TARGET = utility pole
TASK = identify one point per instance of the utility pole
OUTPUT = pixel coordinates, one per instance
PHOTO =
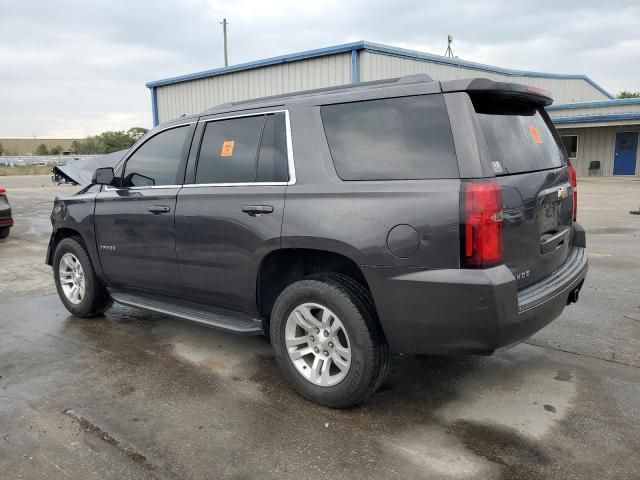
(224, 32)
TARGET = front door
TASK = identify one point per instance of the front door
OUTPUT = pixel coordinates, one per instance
(134, 222)
(230, 216)
(624, 161)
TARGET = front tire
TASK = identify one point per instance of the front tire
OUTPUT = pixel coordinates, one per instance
(327, 340)
(4, 232)
(77, 283)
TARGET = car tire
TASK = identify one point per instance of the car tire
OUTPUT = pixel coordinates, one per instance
(4, 232)
(317, 364)
(77, 284)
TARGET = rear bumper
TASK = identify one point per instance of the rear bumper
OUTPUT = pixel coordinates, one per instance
(469, 311)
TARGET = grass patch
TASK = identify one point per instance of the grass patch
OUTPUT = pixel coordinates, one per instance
(25, 170)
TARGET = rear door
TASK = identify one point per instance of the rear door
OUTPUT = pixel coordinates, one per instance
(229, 214)
(518, 140)
(134, 223)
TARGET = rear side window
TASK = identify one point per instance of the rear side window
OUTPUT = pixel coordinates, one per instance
(156, 161)
(405, 138)
(517, 136)
(243, 150)
(272, 158)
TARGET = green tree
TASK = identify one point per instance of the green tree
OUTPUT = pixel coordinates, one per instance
(137, 132)
(57, 150)
(114, 141)
(42, 150)
(108, 142)
(628, 94)
(88, 146)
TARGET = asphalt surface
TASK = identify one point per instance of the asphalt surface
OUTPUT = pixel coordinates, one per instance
(132, 395)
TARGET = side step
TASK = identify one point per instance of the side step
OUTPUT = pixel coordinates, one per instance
(221, 320)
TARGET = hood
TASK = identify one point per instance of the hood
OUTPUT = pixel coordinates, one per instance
(81, 171)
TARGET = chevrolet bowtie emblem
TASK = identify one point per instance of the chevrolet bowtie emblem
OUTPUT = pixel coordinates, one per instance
(563, 192)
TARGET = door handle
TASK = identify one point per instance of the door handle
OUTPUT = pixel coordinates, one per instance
(158, 209)
(256, 210)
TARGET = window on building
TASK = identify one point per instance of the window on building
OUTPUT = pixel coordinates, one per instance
(571, 145)
(391, 139)
(156, 161)
(244, 150)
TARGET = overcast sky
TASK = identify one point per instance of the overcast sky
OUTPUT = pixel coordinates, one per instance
(76, 68)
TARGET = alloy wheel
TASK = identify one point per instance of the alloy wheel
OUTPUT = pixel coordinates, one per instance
(72, 278)
(318, 344)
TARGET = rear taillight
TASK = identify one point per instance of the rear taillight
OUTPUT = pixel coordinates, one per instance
(574, 187)
(2, 191)
(482, 242)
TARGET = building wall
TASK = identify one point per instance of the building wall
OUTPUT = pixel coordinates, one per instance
(598, 143)
(197, 95)
(376, 66)
(28, 146)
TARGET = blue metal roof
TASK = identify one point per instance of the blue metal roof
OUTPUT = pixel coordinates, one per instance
(373, 47)
(602, 103)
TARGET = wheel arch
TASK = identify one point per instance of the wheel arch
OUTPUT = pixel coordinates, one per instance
(59, 235)
(283, 266)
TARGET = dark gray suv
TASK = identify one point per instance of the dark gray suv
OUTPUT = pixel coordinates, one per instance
(407, 215)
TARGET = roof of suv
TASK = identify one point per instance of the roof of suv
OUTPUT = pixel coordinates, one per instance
(470, 84)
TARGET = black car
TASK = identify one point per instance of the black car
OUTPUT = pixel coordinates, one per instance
(6, 220)
(406, 215)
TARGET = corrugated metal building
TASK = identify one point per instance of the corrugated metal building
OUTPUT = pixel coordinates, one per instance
(597, 127)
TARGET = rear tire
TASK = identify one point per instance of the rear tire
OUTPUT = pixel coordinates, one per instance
(351, 362)
(4, 232)
(76, 281)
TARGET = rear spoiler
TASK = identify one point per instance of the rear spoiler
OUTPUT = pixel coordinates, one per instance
(484, 85)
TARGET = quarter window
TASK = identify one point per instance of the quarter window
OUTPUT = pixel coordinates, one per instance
(391, 139)
(156, 162)
(243, 150)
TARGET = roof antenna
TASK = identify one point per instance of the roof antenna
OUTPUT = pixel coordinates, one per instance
(449, 52)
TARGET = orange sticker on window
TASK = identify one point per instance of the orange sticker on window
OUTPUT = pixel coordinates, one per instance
(535, 134)
(227, 148)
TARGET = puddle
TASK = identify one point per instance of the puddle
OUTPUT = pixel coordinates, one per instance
(433, 452)
(530, 403)
(232, 357)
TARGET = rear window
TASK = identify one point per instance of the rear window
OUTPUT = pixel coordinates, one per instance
(406, 138)
(517, 137)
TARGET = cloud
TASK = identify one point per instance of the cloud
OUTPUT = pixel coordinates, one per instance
(75, 68)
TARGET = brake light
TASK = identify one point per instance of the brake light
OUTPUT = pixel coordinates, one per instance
(574, 187)
(538, 90)
(482, 231)
(2, 191)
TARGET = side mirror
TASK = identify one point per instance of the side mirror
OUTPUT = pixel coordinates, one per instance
(137, 180)
(103, 176)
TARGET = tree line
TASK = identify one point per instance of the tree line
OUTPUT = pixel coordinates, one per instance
(106, 142)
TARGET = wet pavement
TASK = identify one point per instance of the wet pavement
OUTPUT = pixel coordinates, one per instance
(133, 395)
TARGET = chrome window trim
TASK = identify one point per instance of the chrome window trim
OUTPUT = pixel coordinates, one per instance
(290, 160)
(238, 184)
(147, 187)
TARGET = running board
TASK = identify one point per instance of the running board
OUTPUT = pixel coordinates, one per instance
(227, 321)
